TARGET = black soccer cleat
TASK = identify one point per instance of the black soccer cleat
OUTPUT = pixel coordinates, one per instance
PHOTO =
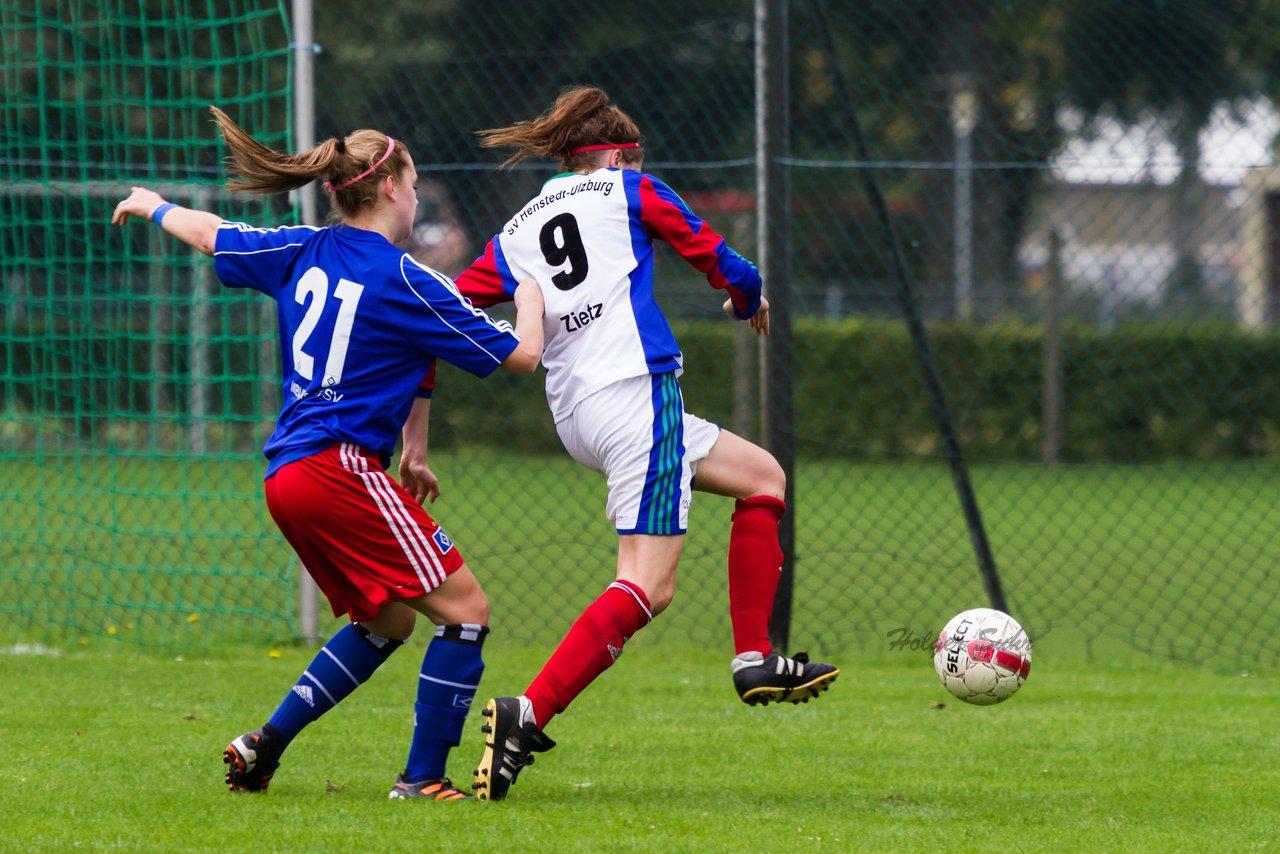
(252, 760)
(508, 747)
(440, 789)
(777, 679)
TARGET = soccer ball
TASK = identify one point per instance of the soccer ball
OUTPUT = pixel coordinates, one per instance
(982, 656)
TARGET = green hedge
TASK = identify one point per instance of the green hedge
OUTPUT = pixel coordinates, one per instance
(1129, 394)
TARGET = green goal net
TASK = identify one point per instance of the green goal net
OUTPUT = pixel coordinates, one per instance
(129, 466)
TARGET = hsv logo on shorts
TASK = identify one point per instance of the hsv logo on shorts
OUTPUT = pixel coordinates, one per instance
(442, 540)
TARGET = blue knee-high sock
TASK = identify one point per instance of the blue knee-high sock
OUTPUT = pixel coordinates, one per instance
(451, 672)
(342, 665)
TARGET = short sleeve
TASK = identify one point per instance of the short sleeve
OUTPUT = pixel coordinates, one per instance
(428, 384)
(452, 328)
(258, 258)
(489, 280)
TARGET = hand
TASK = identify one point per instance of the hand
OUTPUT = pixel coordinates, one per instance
(528, 297)
(141, 203)
(417, 478)
(759, 321)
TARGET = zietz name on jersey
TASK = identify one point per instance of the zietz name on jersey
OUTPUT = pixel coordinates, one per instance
(578, 319)
(602, 187)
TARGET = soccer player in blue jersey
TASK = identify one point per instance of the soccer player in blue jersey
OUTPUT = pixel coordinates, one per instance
(612, 366)
(361, 327)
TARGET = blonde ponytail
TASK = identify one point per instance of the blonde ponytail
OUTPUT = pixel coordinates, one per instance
(351, 166)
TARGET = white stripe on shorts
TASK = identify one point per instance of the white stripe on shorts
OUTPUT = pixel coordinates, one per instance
(417, 538)
(413, 542)
(419, 543)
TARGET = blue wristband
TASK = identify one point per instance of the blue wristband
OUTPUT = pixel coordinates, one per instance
(157, 215)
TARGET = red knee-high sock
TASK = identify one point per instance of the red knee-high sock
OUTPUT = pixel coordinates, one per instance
(755, 562)
(593, 643)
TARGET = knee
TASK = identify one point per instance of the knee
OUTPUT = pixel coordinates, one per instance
(479, 609)
(771, 480)
(472, 608)
(402, 626)
(392, 623)
(658, 589)
(661, 597)
(465, 600)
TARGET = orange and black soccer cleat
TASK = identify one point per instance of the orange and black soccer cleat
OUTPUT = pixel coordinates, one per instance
(251, 760)
(439, 789)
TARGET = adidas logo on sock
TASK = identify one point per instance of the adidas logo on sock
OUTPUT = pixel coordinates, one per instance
(304, 691)
(614, 651)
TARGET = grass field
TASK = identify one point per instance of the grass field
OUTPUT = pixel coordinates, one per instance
(1175, 560)
(121, 751)
(150, 608)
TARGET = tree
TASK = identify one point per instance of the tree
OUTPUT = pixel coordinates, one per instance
(906, 60)
(440, 71)
(1176, 62)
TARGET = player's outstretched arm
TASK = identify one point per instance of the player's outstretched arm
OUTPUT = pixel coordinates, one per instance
(198, 229)
(529, 307)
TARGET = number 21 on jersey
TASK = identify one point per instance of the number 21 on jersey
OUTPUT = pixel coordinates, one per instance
(313, 292)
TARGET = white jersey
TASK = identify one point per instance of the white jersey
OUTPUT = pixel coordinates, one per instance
(588, 242)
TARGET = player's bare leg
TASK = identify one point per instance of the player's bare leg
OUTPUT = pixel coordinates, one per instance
(650, 562)
(460, 599)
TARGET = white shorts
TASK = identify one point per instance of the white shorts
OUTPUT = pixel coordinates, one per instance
(637, 432)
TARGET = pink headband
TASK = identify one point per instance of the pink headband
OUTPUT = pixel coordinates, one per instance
(391, 144)
(582, 148)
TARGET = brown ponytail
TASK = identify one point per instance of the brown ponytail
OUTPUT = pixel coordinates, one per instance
(265, 171)
(582, 115)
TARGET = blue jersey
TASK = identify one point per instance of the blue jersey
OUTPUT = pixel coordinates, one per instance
(361, 325)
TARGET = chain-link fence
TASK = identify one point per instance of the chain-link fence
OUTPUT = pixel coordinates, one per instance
(1080, 197)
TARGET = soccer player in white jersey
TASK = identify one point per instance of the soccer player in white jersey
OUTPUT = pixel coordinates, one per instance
(361, 325)
(612, 366)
